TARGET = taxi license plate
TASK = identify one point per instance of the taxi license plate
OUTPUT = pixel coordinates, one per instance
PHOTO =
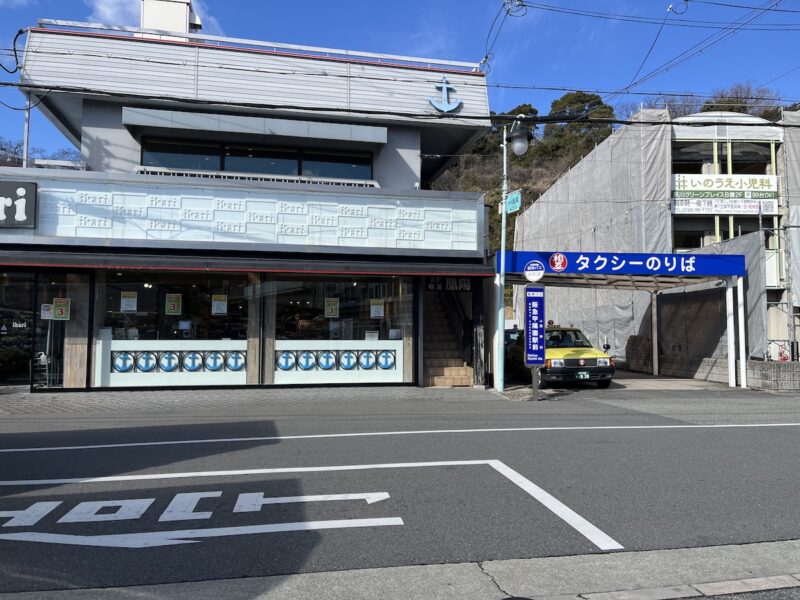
(582, 375)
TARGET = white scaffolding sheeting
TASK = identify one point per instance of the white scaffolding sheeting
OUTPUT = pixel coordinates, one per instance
(616, 199)
(790, 167)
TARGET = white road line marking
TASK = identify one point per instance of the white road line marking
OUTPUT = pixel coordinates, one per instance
(188, 536)
(284, 438)
(236, 472)
(561, 510)
(581, 525)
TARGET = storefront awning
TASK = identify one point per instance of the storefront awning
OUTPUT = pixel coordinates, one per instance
(291, 264)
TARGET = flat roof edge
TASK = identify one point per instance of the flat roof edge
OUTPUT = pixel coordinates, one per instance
(228, 43)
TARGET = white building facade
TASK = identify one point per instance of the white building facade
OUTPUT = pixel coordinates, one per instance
(245, 213)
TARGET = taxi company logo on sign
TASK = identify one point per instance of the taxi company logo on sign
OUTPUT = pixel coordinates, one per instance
(17, 204)
(558, 262)
(183, 507)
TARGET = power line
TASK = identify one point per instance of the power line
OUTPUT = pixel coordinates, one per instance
(432, 79)
(513, 8)
(744, 6)
(705, 44)
(781, 76)
(24, 108)
(491, 28)
(429, 117)
(16, 56)
(651, 21)
(695, 50)
(653, 45)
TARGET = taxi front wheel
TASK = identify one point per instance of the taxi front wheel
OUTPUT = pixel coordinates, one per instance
(539, 382)
(604, 383)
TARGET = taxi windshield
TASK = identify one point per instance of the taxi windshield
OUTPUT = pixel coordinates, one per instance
(566, 338)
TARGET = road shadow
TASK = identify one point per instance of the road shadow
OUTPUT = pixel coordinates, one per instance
(233, 543)
(516, 382)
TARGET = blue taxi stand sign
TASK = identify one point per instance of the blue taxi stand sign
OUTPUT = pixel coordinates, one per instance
(534, 326)
(534, 334)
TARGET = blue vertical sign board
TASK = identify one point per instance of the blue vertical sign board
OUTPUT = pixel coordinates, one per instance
(534, 326)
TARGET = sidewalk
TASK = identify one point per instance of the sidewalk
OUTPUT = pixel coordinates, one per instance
(655, 575)
(19, 401)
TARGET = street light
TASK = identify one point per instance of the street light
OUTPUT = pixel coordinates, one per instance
(520, 137)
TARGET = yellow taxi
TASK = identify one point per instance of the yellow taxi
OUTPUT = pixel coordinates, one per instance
(569, 357)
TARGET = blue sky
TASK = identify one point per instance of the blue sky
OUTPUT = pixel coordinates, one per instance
(541, 48)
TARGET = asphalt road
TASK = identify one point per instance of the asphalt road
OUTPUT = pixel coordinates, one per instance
(298, 482)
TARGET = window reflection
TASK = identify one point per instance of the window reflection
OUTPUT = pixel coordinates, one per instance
(165, 306)
(174, 155)
(343, 309)
(340, 166)
(259, 160)
(256, 159)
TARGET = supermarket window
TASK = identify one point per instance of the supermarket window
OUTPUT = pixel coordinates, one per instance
(248, 159)
(181, 155)
(337, 166)
(171, 306)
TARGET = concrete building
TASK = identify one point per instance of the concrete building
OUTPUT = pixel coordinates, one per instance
(250, 213)
(711, 182)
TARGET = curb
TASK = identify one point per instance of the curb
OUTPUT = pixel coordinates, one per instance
(694, 590)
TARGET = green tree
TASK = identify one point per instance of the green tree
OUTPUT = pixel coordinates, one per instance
(746, 99)
(560, 147)
(577, 135)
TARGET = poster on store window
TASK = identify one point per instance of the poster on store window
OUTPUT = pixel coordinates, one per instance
(128, 301)
(376, 309)
(331, 308)
(174, 304)
(219, 304)
(61, 309)
(46, 313)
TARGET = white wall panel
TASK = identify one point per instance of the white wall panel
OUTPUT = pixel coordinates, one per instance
(138, 66)
(82, 211)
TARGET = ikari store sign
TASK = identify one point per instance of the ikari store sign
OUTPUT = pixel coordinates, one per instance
(17, 205)
(121, 214)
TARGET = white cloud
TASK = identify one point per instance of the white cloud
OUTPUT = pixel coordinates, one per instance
(16, 3)
(211, 25)
(115, 12)
(127, 12)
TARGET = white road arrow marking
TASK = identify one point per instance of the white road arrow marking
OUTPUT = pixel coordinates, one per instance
(190, 536)
(252, 502)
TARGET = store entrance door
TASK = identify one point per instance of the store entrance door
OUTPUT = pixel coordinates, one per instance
(16, 327)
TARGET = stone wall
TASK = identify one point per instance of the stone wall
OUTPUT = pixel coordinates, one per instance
(638, 354)
(779, 376)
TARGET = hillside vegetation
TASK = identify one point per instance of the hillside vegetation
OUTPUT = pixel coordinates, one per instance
(559, 146)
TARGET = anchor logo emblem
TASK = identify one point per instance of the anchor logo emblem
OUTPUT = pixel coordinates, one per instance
(444, 104)
(168, 362)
